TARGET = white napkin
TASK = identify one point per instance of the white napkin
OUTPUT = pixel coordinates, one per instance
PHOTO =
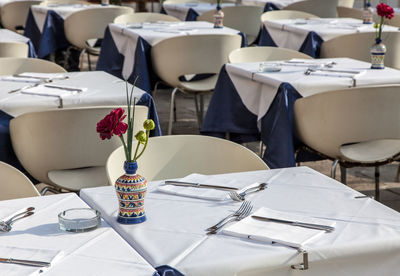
(277, 232)
(43, 255)
(204, 193)
(52, 90)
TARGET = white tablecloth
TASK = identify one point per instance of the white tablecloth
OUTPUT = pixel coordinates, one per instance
(366, 240)
(99, 252)
(102, 89)
(291, 33)
(10, 36)
(279, 3)
(125, 38)
(63, 10)
(180, 10)
(257, 90)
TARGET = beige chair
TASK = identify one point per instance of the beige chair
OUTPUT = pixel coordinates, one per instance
(10, 66)
(62, 148)
(346, 3)
(358, 46)
(175, 57)
(354, 127)
(264, 53)
(84, 27)
(346, 12)
(14, 184)
(179, 155)
(321, 8)
(242, 18)
(140, 17)
(14, 14)
(395, 21)
(13, 49)
(276, 15)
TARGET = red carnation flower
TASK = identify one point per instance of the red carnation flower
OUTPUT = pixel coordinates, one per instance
(385, 10)
(112, 124)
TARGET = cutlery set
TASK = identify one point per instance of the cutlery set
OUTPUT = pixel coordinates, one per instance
(5, 226)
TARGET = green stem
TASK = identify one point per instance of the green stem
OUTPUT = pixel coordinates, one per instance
(145, 145)
(380, 29)
(136, 151)
(125, 150)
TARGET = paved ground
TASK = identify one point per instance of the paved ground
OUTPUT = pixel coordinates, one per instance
(361, 179)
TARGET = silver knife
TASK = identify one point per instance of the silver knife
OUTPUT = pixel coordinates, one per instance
(198, 185)
(63, 88)
(24, 262)
(297, 223)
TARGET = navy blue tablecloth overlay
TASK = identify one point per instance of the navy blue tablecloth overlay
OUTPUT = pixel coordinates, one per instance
(190, 16)
(31, 49)
(227, 113)
(111, 61)
(311, 45)
(270, 7)
(166, 270)
(51, 39)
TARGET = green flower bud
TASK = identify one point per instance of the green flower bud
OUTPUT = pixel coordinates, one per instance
(141, 136)
(149, 124)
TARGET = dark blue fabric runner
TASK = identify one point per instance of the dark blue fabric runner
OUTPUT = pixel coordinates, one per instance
(270, 7)
(191, 15)
(165, 270)
(311, 45)
(227, 113)
(31, 49)
(51, 39)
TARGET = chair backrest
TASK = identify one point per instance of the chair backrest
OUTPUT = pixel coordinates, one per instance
(349, 12)
(395, 21)
(329, 120)
(139, 17)
(321, 8)
(276, 15)
(358, 46)
(242, 18)
(90, 23)
(14, 13)
(194, 54)
(264, 53)
(15, 65)
(13, 49)
(176, 156)
(64, 139)
(346, 3)
(14, 184)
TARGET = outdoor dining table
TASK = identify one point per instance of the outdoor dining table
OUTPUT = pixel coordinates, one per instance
(366, 239)
(10, 36)
(45, 26)
(189, 11)
(99, 89)
(270, 5)
(249, 104)
(307, 35)
(39, 238)
(126, 48)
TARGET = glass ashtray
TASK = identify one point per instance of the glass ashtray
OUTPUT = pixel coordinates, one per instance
(79, 220)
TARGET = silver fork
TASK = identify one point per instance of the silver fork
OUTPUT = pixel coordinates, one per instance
(241, 196)
(239, 211)
(245, 213)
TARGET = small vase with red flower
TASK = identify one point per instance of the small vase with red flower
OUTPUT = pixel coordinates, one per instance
(378, 50)
(131, 187)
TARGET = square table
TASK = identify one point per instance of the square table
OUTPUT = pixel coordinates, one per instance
(189, 11)
(366, 240)
(102, 89)
(126, 48)
(247, 103)
(307, 35)
(270, 5)
(10, 36)
(98, 252)
(45, 26)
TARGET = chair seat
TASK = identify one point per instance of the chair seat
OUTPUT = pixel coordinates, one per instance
(207, 84)
(371, 151)
(76, 179)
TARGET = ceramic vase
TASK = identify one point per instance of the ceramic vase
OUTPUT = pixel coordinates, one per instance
(378, 51)
(368, 14)
(218, 18)
(131, 190)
